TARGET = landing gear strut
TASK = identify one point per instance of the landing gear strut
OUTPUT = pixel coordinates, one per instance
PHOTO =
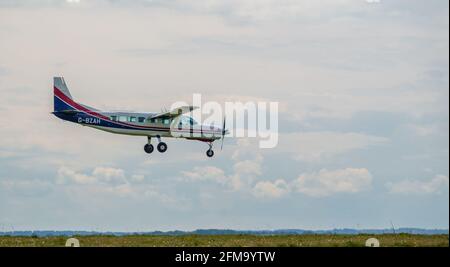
(210, 152)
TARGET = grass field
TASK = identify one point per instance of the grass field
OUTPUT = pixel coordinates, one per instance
(387, 240)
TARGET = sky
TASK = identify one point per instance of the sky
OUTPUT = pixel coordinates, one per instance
(363, 93)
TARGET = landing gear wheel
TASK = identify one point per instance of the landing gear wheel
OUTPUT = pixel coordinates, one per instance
(209, 153)
(162, 147)
(148, 148)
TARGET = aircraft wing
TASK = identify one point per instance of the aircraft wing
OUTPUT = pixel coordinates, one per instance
(174, 112)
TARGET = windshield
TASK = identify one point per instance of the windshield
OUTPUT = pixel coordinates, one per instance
(185, 120)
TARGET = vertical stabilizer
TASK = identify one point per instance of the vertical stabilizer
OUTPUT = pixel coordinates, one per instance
(61, 95)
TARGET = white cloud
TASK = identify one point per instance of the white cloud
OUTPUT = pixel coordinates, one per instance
(137, 178)
(317, 146)
(167, 199)
(106, 181)
(325, 183)
(119, 190)
(262, 10)
(67, 175)
(245, 172)
(308, 147)
(109, 175)
(99, 175)
(248, 167)
(426, 130)
(236, 181)
(205, 173)
(244, 148)
(26, 187)
(435, 185)
(268, 189)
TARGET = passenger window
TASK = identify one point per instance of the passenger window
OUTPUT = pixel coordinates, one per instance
(123, 118)
(141, 119)
(132, 119)
(166, 121)
(153, 120)
(114, 118)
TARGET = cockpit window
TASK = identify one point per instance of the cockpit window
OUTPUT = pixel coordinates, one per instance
(185, 120)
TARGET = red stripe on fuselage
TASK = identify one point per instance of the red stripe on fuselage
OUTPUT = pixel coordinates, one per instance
(66, 99)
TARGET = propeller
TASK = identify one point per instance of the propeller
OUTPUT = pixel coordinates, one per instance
(223, 132)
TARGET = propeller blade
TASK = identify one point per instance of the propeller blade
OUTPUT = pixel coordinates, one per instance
(223, 133)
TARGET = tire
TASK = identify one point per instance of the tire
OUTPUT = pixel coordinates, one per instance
(148, 148)
(209, 153)
(162, 147)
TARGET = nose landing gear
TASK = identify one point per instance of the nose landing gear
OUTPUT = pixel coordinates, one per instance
(210, 152)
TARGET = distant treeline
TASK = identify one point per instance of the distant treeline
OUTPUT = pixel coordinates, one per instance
(416, 231)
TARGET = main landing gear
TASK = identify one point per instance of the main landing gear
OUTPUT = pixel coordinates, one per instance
(148, 148)
(161, 147)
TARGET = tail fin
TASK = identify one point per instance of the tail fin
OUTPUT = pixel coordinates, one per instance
(61, 95)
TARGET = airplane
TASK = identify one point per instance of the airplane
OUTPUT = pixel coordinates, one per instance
(167, 124)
